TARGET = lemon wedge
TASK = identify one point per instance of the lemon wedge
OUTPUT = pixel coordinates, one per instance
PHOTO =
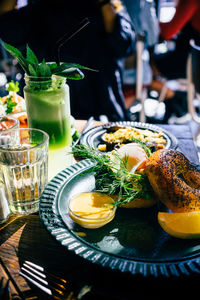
(184, 225)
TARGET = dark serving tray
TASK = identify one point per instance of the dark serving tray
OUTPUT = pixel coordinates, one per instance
(92, 137)
(133, 242)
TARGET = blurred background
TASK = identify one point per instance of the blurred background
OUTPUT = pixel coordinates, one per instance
(154, 74)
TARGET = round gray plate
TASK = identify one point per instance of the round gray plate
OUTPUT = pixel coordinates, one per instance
(132, 242)
(92, 137)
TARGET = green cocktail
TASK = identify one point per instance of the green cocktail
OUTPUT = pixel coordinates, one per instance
(47, 102)
(48, 108)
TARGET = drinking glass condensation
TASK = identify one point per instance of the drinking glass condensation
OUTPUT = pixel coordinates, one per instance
(48, 109)
(6, 124)
(24, 168)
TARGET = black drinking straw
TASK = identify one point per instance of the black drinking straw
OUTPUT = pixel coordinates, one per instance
(65, 38)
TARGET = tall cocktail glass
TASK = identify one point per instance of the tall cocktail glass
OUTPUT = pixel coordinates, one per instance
(48, 108)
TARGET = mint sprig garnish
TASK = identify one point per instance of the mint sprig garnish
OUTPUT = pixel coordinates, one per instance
(44, 69)
(18, 55)
(30, 56)
(32, 67)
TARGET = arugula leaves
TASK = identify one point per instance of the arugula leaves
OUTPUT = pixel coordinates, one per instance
(32, 67)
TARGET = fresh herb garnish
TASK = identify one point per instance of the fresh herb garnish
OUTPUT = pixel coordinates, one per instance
(112, 179)
(143, 145)
(10, 105)
(12, 86)
(32, 67)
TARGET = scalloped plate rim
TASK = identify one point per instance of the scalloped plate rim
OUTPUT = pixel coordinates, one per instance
(172, 140)
(184, 265)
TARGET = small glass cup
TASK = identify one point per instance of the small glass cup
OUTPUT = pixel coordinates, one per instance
(7, 123)
(24, 168)
(88, 221)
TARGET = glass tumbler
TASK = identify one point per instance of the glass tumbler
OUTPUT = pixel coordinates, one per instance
(6, 124)
(24, 168)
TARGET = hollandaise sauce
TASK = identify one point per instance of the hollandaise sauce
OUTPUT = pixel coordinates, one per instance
(92, 209)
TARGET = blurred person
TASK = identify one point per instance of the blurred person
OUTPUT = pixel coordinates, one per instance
(143, 16)
(7, 5)
(184, 26)
(187, 12)
(145, 21)
(102, 46)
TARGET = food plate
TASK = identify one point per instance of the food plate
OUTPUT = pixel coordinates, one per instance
(132, 242)
(93, 137)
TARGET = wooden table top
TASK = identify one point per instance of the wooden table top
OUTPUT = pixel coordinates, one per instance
(25, 238)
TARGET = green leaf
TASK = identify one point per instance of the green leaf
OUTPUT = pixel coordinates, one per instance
(45, 70)
(73, 65)
(32, 71)
(111, 181)
(60, 68)
(30, 56)
(52, 65)
(10, 105)
(13, 86)
(18, 55)
(72, 73)
(32, 60)
(32, 67)
(65, 66)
